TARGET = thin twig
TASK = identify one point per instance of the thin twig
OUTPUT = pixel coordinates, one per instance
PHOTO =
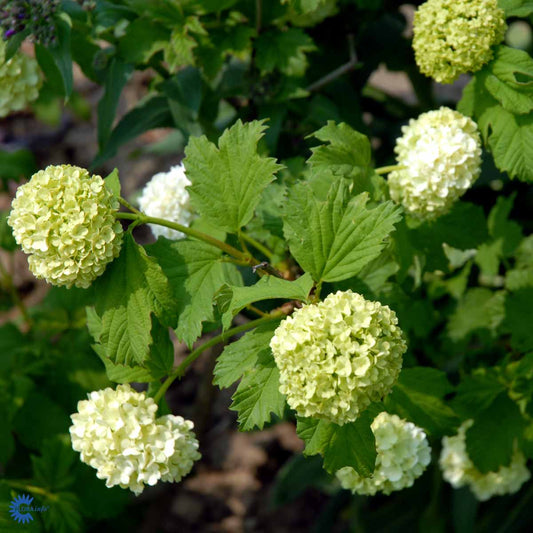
(340, 71)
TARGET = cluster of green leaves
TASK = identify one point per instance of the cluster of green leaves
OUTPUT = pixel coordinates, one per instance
(43, 374)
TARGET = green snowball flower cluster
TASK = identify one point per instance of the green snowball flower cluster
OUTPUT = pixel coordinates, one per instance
(403, 453)
(441, 153)
(19, 81)
(452, 37)
(64, 218)
(337, 356)
(116, 433)
(459, 470)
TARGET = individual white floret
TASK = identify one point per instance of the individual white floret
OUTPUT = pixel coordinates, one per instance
(165, 196)
(337, 356)
(459, 470)
(116, 433)
(403, 453)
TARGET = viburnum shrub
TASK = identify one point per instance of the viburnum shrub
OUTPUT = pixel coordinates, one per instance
(363, 259)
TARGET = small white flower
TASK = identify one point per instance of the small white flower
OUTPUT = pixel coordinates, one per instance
(403, 454)
(116, 433)
(165, 196)
(459, 470)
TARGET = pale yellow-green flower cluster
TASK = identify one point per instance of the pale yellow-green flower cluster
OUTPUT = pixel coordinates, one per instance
(403, 454)
(165, 196)
(452, 37)
(337, 356)
(459, 470)
(441, 153)
(116, 433)
(64, 218)
(19, 81)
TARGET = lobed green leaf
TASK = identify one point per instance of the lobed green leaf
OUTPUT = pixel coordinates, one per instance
(227, 182)
(334, 239)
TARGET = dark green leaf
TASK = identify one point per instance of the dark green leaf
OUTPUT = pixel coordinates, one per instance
(518, 319)
(298, 474)
(418, 397)
(61, 52)
(350, 445)
(475, 393)
(117, 75)
(500, 424)
(284, 51)
(13, 43)
(39, 418)
(152, 112)
(63, 516)
(53, 469)
(143, 38)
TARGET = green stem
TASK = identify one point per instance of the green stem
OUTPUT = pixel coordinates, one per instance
(258, 16)
(230, 250)
(390, 168)
(351, 64)
(127, 205)
(29, 488)
(180, 369)
(258, 246)
(318, 290)
(8, 281)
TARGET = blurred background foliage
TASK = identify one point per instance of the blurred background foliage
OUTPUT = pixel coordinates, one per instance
(200, 65)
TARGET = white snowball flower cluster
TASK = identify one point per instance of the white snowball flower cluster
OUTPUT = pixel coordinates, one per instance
(459, 470)
(441, 153)
(117, 433)
(65, 218)
(403, 453)
(165, 196)
(337, 356)
(19, 81)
